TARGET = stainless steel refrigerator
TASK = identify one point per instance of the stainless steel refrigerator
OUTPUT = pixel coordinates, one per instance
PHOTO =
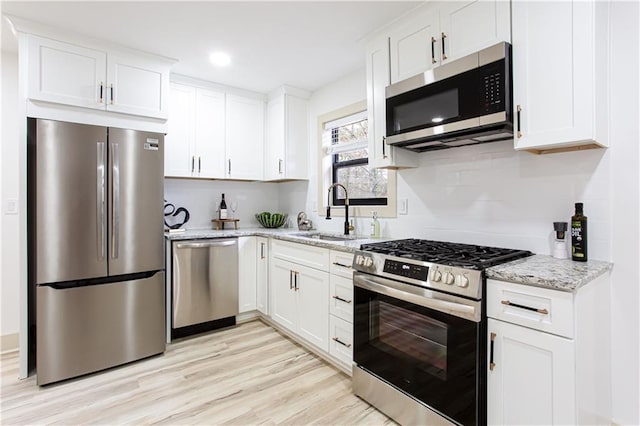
(95, 232)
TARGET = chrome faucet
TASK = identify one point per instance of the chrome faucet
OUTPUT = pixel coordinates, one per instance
(347, 226)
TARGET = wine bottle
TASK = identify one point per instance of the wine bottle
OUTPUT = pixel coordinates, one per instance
(579, 235)
(223, 208)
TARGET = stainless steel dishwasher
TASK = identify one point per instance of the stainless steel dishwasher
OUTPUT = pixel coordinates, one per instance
(205, 285)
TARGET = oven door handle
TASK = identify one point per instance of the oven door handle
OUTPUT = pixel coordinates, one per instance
(467, 309)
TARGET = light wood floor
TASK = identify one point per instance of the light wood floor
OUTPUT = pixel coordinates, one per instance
(250, 374)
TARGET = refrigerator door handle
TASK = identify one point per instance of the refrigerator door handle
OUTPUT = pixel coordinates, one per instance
(101, 201)
(115, 217)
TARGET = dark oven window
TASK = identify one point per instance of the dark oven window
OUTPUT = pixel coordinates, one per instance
(431, 355)
(411, 336)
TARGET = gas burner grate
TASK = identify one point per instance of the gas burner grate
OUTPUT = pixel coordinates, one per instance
(452, 254)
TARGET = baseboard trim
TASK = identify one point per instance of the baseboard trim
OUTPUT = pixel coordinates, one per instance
(9, 343)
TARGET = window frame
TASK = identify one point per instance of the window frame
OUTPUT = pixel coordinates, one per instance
(325, 170)
(336, 166)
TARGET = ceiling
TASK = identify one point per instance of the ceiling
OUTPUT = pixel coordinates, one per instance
(304, 44)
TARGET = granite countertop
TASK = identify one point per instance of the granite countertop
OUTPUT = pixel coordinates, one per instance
(546, 271)
(286, 234)
(537, 270)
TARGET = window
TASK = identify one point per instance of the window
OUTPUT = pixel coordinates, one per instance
(346, 141)
(342, 136)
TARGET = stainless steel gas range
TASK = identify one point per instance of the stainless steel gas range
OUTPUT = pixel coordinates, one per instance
(420, 329)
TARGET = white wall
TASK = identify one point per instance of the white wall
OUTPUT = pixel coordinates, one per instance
(625, 231)
(202, 199)
(9, 235)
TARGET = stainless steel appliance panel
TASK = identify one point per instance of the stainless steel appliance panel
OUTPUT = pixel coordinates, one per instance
(394, 403)
(85, 329)
(136, 200)
(205, 281)
(70, 201)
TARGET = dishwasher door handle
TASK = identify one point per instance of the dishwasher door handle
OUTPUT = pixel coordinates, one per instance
(206, 244)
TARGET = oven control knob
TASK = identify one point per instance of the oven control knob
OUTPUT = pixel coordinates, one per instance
(436, 275)
(448, 278)
(462, 281)
(360, 260)
(368, 261)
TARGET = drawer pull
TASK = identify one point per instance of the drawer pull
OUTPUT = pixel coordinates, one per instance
(341, 299)
(491, 363)
(335, 339)
(528, 308)
(342, 265)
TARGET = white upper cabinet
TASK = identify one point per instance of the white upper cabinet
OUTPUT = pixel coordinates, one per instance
(560, 74)
(286, 155)
(214, 135)
(244, 138)
(180, 150)
(380, 154)
(469, 26)
(114, 81)
(441, 32)
(137, 85)
(209, 134)
(414, 46)
(67, 74)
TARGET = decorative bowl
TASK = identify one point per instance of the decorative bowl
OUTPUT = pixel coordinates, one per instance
(271, 220)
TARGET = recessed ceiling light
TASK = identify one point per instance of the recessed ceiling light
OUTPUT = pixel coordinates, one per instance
(220, 59)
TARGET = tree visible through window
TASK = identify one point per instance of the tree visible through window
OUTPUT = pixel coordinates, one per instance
(366, 186)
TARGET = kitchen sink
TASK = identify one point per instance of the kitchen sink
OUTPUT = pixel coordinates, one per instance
(326, 237)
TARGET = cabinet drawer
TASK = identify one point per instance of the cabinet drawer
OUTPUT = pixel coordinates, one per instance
(341, 340)
(538, 308)
(341, 297)
(302, 254)
(341, 263)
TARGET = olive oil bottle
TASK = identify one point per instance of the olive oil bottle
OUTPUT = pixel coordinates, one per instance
(579, 235)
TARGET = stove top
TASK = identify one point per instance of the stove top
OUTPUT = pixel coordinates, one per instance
(465, 256)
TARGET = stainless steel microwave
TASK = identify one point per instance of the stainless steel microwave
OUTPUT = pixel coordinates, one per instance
(465, 102)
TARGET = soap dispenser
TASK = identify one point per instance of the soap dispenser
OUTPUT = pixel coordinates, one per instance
(560, 250)
(375, 226)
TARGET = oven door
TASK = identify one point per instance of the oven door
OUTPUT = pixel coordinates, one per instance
(427, 344)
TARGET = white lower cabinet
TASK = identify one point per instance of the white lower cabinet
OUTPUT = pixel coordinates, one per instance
(532, 377)
(341, 344)
(341, 308)
(548, 354)
(247, 274)
(299, 297)
(262, 275)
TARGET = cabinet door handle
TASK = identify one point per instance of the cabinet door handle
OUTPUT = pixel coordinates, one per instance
(261, 250)
(528, 308)
(295, 280)
(229, 161)
(384, 152)
(491, 363)
(280, 166)
(111, 90)
(290, 280)
(342, 265)
(518, 129)
(199, 164)
(193, 163)
(433, 50)
(335, 339)
(101, 92)
(341, 299)
(444, 55)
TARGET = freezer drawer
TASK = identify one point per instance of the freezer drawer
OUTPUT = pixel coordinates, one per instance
(205, 281)
(81, 330)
